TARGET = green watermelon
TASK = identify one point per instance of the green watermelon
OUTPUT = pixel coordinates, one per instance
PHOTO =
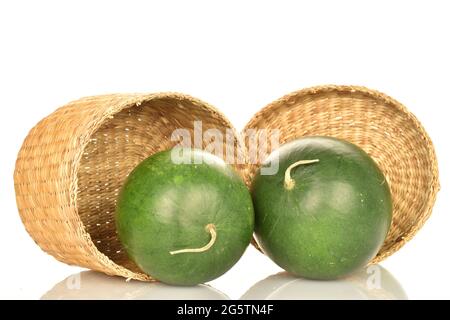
(184, 223)
(327, 210)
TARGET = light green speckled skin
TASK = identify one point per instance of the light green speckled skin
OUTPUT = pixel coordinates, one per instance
(164, 207)
(336, 217)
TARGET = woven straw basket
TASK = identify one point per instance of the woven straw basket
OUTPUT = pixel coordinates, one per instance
(72, 165)
(378, 124)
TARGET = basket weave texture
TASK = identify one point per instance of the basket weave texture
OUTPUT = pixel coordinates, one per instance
(381, 126)
(73, 163)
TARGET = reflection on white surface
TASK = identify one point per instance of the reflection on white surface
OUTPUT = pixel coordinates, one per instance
(373, 282)
(93, 285)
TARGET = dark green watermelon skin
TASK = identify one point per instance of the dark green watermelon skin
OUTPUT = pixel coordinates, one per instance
(165, 206)
(334, 220)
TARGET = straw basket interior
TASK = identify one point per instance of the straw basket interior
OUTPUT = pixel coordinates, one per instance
(379, 125)
(115, 149)
(88, 148)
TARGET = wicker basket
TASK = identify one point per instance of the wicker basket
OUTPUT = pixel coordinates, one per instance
(72, 164)
(382, 127)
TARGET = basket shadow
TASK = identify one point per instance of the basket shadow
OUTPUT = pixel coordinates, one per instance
(370, 283)
(91, 285)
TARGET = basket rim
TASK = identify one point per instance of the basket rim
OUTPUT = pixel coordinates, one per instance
(377, 95)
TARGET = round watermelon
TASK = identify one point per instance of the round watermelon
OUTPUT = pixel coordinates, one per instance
(327, 210)
(184, 223)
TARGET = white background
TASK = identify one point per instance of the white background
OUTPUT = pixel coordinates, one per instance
(238, 56)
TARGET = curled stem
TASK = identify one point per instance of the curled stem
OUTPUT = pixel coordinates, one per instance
(289, 183)
(209, 228)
